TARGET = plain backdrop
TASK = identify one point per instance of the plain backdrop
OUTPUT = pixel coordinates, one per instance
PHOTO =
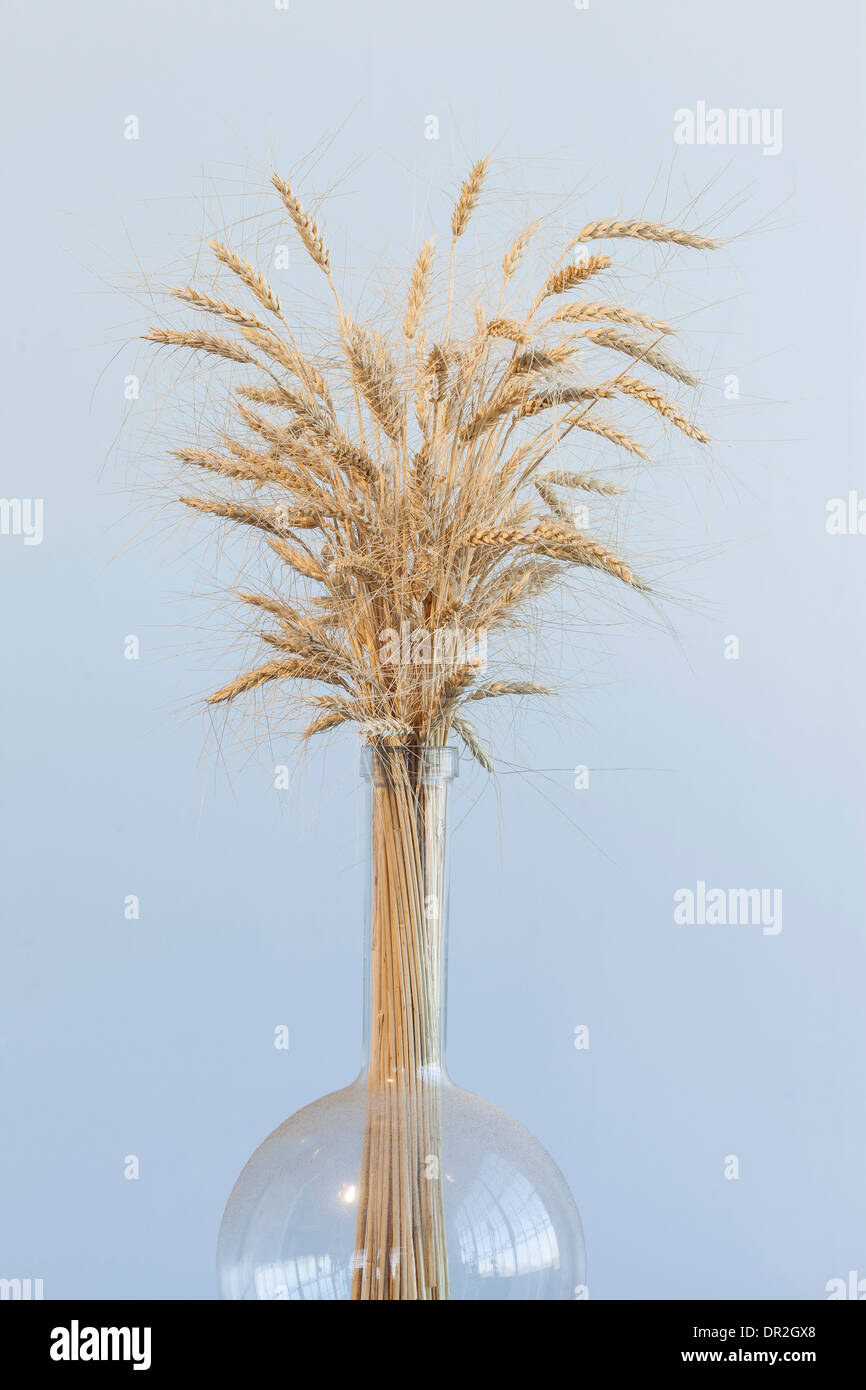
(154, 1037)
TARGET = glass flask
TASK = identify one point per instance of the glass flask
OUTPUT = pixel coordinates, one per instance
(402, 1186)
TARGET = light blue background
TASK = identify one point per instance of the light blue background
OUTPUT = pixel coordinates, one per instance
(155, 1037)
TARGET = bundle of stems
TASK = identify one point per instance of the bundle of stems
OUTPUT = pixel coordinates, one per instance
(400, 1250)
(403, 484)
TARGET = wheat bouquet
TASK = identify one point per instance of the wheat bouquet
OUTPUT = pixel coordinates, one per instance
(417, 477)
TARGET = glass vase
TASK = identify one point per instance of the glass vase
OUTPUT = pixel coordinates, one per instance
(402, 1186)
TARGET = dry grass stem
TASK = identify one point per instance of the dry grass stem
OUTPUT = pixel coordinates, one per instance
(467, 199)
(641, 351)
(646, 231)
(419, 289)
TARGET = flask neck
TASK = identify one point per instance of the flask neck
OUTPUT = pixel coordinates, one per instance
(405, 967)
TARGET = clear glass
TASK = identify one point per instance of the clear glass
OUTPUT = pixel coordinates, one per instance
(402, 1186)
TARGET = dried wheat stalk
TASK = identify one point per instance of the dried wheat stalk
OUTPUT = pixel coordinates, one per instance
(400, 491)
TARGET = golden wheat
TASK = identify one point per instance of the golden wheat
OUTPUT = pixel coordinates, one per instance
(422, 530)
(467, 198)
(422, 522)
(646, 231)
